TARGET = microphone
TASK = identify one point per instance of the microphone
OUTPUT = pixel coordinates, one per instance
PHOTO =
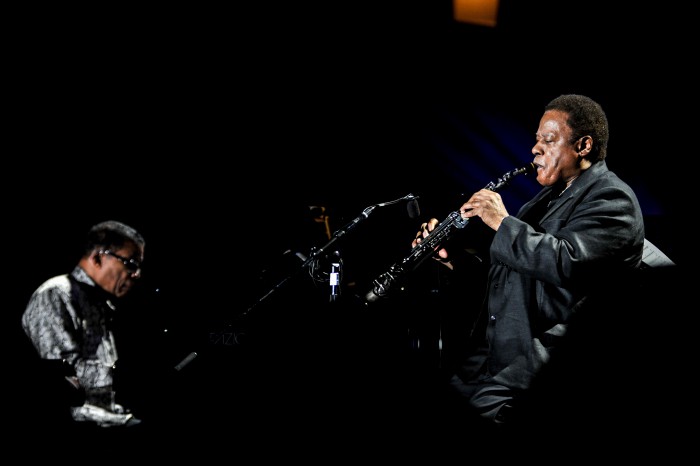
(413, 208)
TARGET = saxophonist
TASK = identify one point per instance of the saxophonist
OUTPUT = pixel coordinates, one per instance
(554, 262)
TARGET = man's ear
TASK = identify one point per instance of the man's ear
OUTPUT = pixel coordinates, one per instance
(582, 147)
(97, 258)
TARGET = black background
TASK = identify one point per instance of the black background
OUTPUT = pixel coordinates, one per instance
(213, 131)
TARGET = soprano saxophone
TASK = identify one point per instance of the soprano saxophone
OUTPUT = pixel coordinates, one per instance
(383, 284)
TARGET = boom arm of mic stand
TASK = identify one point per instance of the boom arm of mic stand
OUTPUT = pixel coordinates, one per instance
(339, 234)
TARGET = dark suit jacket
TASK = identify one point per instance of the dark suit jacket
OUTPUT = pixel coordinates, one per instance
(544, 271)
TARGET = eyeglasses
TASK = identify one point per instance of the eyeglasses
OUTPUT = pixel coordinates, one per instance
(132, 265)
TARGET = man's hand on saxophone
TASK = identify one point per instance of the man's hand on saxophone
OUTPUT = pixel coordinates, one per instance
(441, 254)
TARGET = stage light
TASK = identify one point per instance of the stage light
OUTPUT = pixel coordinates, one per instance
(479, 12)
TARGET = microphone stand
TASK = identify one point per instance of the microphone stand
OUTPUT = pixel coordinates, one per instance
(318, 252)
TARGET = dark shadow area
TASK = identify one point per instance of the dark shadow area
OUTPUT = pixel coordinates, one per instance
(219, 135)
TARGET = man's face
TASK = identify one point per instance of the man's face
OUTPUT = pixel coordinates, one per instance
(556, 156)
(120, 268)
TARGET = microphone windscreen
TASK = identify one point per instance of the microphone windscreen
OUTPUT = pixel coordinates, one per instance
(413, 209)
